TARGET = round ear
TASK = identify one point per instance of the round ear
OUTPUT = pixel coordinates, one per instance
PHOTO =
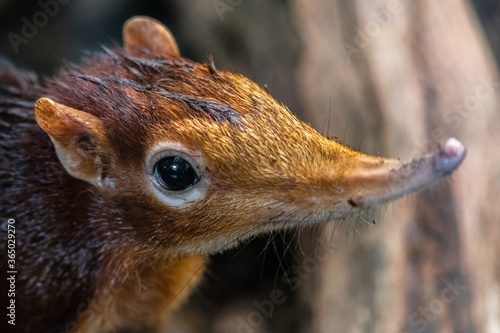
(78, 137)
(141, 32)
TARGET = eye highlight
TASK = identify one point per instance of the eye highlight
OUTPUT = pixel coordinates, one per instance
(175, 173)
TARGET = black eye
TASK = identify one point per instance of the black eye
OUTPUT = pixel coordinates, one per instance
(175, 173)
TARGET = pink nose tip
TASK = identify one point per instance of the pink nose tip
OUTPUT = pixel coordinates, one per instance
(450, 155)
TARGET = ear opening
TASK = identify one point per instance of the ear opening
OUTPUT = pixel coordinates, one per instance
(141, 32)
(78, 138)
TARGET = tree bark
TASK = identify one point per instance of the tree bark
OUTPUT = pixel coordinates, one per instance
(402, 76)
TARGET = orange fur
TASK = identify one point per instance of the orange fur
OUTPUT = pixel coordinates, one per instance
(121, 252)
(143, 301)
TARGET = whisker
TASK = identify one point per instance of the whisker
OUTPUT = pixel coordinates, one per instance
(269, 240)
(281, 262)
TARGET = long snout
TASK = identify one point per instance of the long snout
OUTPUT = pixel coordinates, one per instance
(379, 180)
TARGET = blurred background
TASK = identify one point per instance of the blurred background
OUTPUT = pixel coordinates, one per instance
(387, 77)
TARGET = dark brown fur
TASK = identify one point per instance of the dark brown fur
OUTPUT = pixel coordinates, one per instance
(104, 258)
(47, 203)
(64, 227)
(40, 196)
